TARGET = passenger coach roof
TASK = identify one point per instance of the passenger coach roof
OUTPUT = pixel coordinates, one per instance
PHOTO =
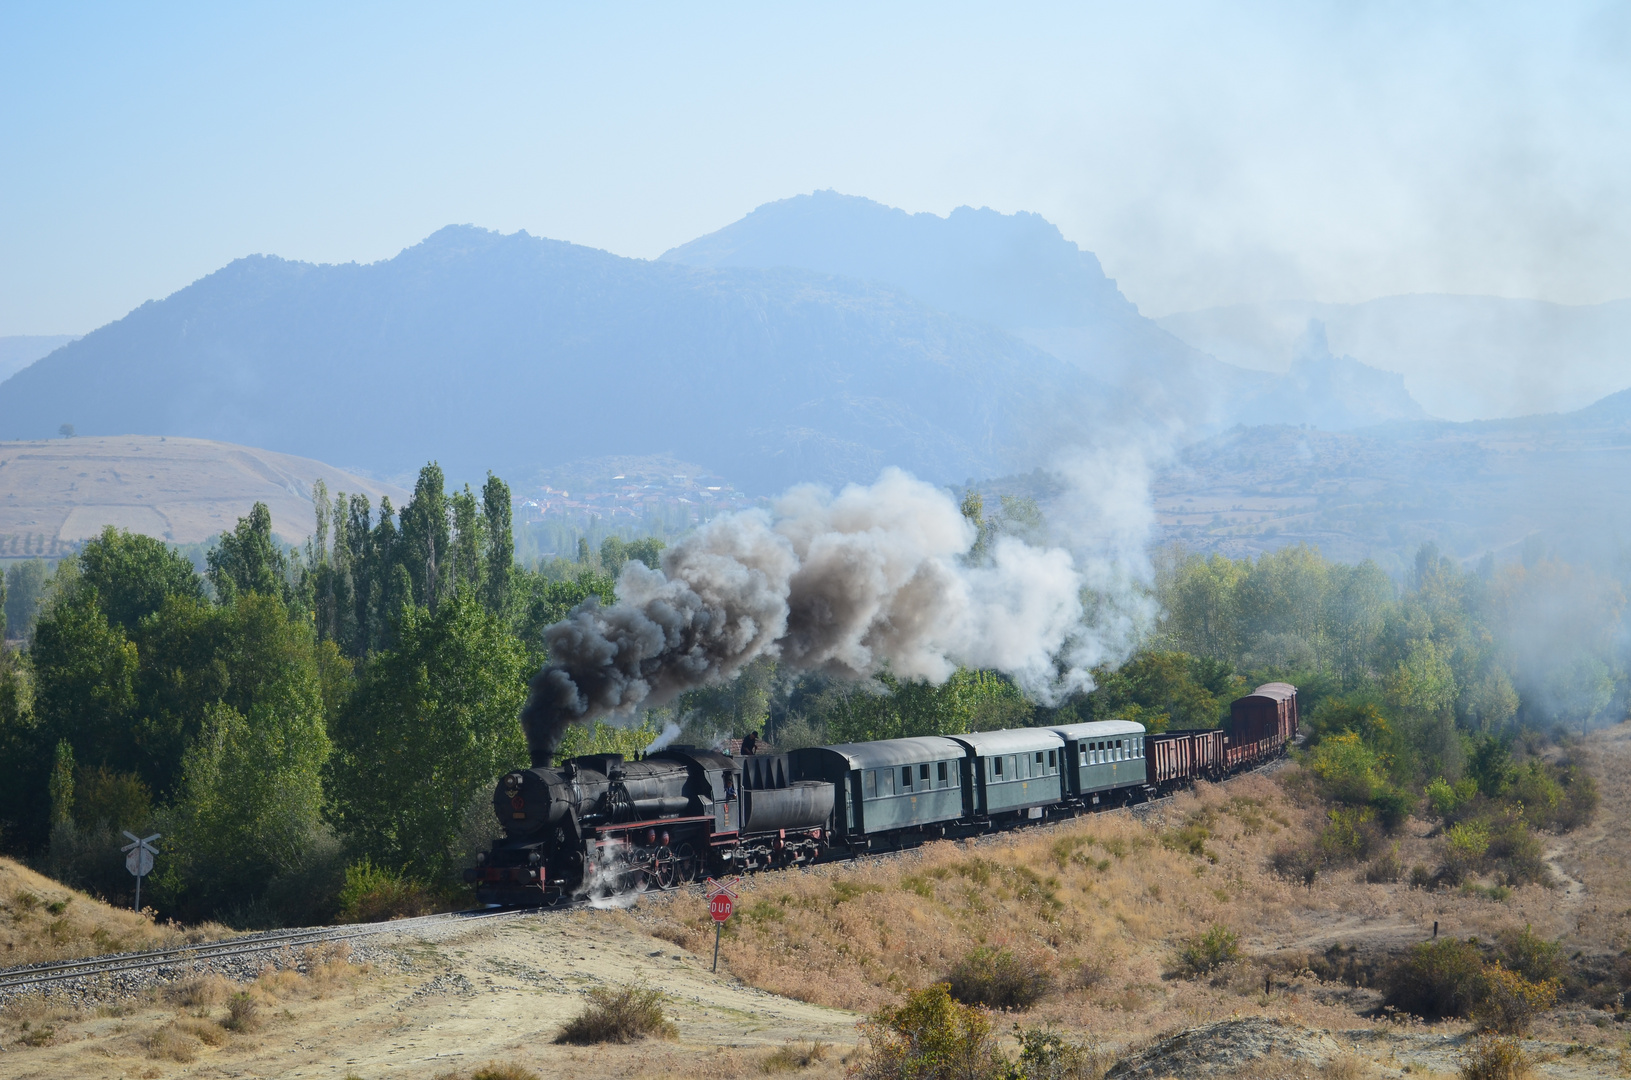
(1012, 741)
(1101, 729)
(873, 755)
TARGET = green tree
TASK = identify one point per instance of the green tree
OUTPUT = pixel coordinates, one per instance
(132, 575)
(469, 545)
(1199, 600)
(500, 545)
(84, 685)
(423, 547)
(62, 783)
(25, 589)
(434, 720)
(248, 560)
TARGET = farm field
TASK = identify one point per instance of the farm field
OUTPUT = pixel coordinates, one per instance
(1100, 904)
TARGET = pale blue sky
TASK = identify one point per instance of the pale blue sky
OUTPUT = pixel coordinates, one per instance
(1210, 153)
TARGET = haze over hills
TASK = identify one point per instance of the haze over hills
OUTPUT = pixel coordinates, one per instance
(1019, 273)
(1462, 357)
(20, 350)
(512, 352)
(55, 493)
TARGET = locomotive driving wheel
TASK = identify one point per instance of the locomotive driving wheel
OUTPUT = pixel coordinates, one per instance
(686, 863)
(665, 868)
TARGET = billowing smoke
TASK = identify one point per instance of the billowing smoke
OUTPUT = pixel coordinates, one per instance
(844, 584)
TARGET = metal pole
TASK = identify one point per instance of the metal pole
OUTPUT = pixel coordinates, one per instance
(138, 892)
(717, 927)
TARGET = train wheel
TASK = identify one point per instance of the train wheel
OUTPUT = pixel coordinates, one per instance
(666, 869)
(686, 863)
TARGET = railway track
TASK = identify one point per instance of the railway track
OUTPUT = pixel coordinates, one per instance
(43, 976)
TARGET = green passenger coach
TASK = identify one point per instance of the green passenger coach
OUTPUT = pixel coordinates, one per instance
(1102, 756)
(1013, 772)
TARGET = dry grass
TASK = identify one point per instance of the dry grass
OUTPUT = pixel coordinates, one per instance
(41, 921)
(1101, 905)
(1495, 1057)
(796, 1054)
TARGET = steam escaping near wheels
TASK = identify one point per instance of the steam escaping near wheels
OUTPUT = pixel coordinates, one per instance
(844, 584)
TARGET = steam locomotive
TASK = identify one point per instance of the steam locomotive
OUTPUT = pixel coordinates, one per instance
(599, 825)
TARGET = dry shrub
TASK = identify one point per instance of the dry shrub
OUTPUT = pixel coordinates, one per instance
(795, 1054)
(929, 1036)
(1208, 951)
(375, 894)
(1045, 1054)
(1385, 869)
(1435, 979)
(998, 979)
(202, 992)
(174, 1044)
(37, 1036)
(619, 1014)
(205, 1032)
(1495, 1057)
(1508, 1003)
(243, 1013)
(503, 1070)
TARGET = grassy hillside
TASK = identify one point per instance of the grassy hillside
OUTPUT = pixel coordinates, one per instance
(45, 920)
(55, 492)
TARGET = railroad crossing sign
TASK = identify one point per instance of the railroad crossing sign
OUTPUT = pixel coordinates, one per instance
(139, 859)
(721, 901)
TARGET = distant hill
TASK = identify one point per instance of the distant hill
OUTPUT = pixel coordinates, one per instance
(20, 350)
(56, 492)
(1462, 357)
(1018, 272)
(1380, 492)
(512, 352)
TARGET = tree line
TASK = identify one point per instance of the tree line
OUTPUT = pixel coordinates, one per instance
(292, 717)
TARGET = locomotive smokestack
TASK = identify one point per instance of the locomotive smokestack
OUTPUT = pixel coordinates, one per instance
(848, 584)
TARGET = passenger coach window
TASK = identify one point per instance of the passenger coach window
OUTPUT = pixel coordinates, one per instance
(923, 775)
(1053, 762)
(942, 774)
(906, 778)
(996, 768)
(869, 788)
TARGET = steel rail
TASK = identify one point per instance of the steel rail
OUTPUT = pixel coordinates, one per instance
(37, 975)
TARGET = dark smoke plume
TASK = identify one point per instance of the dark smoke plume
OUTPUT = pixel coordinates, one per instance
(845, 584)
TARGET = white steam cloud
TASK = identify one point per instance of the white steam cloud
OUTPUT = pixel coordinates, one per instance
(850, 584)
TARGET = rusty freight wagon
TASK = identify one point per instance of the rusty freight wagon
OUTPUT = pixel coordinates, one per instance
(1260, 725)
(1178, 758)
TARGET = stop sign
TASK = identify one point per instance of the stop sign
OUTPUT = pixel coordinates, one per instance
(720, 907)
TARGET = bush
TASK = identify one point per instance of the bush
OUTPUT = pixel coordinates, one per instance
(1464, 848)
(1520, 854)
(374, 894)
(1385, 869)
(1044, 1054)
(1508, 1003)
(618, 1014)
(1206, 952)
(795, 1054)
(1347, 836)
(1391, 806)
(930, 1037)
(1299, 864)
(998, 979)
(1531, 956)
(243, 1013)
(1420, 877)
(1435, 979)
(1494, 1057)
(496, 1070)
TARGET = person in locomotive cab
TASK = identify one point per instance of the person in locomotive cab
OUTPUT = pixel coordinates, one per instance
(730, 786)
(750, 745)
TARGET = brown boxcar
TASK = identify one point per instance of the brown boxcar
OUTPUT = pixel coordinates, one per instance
(1260, 725)
(1176, 758)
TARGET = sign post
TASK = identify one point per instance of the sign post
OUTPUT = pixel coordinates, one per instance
(721, 902)
(139, 859)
